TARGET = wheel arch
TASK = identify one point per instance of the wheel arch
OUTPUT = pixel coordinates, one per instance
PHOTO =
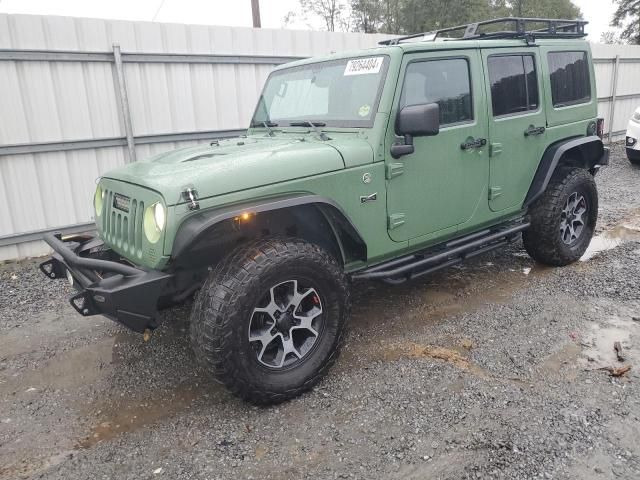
(583, 152)
(313, 218)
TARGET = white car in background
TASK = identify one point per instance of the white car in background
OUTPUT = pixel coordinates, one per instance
(633, 138)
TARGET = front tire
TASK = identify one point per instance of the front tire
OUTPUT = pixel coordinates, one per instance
(563, 219)
(269, 319)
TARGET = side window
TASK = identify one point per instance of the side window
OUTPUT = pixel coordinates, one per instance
(570, 79)
(514, 84)
(445, 82)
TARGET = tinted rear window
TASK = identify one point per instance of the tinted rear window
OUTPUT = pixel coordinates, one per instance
(514, 84)
(570, 78)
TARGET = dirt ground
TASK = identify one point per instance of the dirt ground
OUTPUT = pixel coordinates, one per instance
(495, 369)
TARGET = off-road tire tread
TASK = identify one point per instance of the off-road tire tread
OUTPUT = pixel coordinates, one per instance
(541, 239)
(210, 322)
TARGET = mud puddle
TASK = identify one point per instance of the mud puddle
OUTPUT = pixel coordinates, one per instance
(71, 369)
(383, 315)
(154, 401)
(598, 343)
(30, 468)
(564, 362)
(594, 348)
(127, 416)
(455, 292)
(458, 356)
(626, 231)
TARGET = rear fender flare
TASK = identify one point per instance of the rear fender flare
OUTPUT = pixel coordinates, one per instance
(589, 152)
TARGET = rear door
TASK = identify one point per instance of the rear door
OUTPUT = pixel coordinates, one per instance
(517, 123)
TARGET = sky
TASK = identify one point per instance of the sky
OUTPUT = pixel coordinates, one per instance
(230, 12)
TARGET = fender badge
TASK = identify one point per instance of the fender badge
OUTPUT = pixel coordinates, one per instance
(366, 178)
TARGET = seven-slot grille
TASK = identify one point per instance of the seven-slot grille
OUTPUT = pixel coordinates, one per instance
(120, 228)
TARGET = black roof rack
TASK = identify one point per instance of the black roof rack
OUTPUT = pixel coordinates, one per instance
(499, 28)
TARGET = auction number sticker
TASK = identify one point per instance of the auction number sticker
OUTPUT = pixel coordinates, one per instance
(363, 66)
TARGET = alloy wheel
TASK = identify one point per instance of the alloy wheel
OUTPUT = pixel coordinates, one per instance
(286, 326)
(572, 218)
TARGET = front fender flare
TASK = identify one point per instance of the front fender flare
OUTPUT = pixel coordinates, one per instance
(194, 227)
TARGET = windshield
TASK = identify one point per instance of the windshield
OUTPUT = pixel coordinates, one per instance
(337, 93)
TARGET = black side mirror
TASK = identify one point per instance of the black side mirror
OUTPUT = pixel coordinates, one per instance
(415, 121)
(419, 120)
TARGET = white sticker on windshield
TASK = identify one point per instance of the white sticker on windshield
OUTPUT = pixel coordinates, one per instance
(363, 66)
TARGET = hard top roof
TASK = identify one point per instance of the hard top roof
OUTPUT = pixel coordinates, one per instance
(448, 45)
(495, 33)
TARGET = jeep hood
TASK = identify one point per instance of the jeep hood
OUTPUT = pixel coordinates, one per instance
(234, 165)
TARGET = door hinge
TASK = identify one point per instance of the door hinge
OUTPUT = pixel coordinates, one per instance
(394, 170)
(396, 220)
(495, 149)
(494, 192)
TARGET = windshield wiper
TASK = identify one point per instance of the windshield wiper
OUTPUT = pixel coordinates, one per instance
(268, 126)
(314, 125)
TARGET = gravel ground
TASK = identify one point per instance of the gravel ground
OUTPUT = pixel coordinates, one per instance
(490, 370)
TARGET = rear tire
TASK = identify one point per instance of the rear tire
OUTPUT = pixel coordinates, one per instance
(269, 319)
(563, 219)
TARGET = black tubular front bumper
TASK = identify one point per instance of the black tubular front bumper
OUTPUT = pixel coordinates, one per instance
(106, 286)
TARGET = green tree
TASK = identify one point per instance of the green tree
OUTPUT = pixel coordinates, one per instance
(543, 9)
(410, 16)
(445, 13)
(332, 12)
(627, 17)
(414, 16)
(367, 16)
(610, 37)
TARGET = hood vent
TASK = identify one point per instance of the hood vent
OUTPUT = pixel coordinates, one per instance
(200, 157)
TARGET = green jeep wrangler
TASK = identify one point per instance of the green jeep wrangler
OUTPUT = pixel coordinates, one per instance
(386, 163)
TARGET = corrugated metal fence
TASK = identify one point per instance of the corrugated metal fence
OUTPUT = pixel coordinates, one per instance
(81, 96)
(618, 81)
(74, 105)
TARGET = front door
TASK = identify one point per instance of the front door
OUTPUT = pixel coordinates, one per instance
(442, 183)
(517, 123)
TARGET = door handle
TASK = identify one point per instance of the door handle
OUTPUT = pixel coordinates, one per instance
(534, 131)
(369, 198)
(473, 143)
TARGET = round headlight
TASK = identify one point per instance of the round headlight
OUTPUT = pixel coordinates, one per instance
(98, 200)
(159, 216)
(154, 221)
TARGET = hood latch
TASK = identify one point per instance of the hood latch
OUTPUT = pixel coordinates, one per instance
(191, 195)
